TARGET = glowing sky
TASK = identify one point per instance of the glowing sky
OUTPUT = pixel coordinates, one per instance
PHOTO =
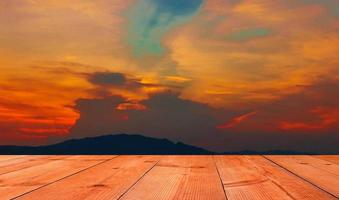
(222, 74)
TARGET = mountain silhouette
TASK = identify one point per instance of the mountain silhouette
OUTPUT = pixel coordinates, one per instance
(124, 144)
(109, 144)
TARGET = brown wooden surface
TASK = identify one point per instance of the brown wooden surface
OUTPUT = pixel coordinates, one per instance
(330, 158)
(179, 177)
(318, 172)
(169, 177)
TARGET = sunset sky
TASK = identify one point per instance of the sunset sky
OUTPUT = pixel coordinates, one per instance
(226, 75)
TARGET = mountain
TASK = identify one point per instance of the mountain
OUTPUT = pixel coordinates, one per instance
(124, 144)
(109, 144)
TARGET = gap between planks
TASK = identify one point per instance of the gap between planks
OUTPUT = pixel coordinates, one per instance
(222, 184)
(138, 180)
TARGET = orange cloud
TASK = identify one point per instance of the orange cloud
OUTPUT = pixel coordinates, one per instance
(328, 117)
(237, 120)
(45, 131)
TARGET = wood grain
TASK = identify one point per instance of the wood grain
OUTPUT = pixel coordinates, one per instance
(5, 158)
(12, 165)
(108, 180)
(330, 158)
(19, 182)
(291, 184)
(179, 177)
(243, 179)
(320, 173)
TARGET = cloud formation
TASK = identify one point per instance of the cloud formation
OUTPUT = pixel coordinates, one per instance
(166, 115)
(150, 20)
(231, 58)
(270, 127)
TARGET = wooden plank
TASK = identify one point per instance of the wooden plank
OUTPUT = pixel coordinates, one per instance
(294, 186)
(19, 182)
(242, 179)
(88, 157)
(318, 163)
(179, 177)
(5, 157)
(330, 158)
(21, 163)
(106, 181)
(319, 172)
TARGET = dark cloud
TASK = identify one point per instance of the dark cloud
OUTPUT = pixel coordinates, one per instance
(117, 79)
(106, 82)
(309, 106)
(304, 121)
(265, 141)
(167, 115)
(108, 78)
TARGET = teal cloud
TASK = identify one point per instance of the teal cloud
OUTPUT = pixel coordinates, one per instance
(150, 20)
(248, 34)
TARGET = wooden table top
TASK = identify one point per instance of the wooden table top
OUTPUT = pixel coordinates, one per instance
(169, 177)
